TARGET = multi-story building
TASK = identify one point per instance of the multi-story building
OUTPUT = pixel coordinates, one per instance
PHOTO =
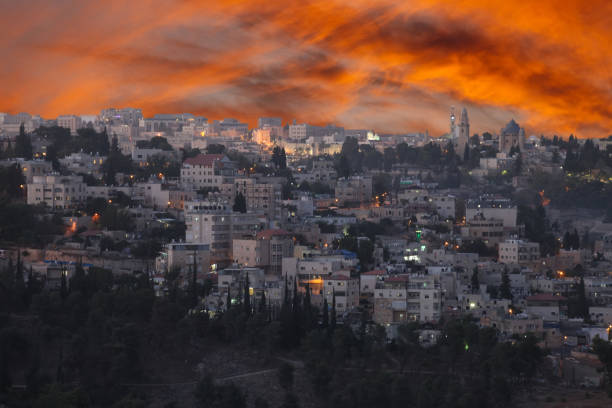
(299, 132)
(30, 168)
(180, 257)
(125, 116)
(490, 231)
(71, 122)
(234, 279)
(549, 307)
(213, 223)
(229, 127)
(127, 136)
(492, 208)
(271, 122)
(323, 171)
(355, 189)
(266, 250)
(57, 191)
(402, 298)
(260, 194)
(517, 251)
(345, 289)
(83, 163)
(207, 170)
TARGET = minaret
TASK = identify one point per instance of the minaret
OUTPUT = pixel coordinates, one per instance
(452, 121)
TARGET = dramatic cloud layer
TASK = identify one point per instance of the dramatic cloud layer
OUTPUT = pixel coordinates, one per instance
(387, 65)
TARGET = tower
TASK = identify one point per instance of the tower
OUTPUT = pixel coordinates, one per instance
(463, 132)
(452, 121)
(512, 135)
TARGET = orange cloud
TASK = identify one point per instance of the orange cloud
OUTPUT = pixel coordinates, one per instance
(393, 66)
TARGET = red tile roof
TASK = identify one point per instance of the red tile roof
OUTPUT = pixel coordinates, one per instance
(269, 233)
(398, 278)
(204, 160)
(337, 277)
(545, 297)
(376, 272)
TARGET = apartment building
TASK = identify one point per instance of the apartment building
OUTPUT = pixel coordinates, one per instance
(212, 222)
(57, 191)
(490, 231)
(180, 257)
(492, 208)
(207, 170)
(83, 163)
(30, 168)
(402, 298)
(266, 250)
(517, 251)
(345, 289)
(71, 122)
(355, 189)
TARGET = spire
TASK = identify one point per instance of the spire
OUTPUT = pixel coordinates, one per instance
(464, 117)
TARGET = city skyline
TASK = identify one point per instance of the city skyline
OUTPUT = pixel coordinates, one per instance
(393, 68)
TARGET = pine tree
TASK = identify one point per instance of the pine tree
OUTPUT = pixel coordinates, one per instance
(325, 322)
(240, 204)
(505, 291)
(228, 300)
(64, 286)
(262, 302)
(247, 296)
(333, 311)
(20, 289)
(475, 282)
(194, 282)
(23, 144)
(583, 304)
(307, 308)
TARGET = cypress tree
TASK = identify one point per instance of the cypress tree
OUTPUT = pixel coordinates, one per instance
(333, 311)
(247, 296)
(505, 291)
(262, 302)
(475, 282)
(228, 301)
(325, 313)
(583, 304)
(194, 282)
(63, 287)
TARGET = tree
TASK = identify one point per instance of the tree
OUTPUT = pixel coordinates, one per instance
(262, 302)
(215, 148)
(603, 349)
(475, 282)
(344, 168)
(240, 204)
(505, 291)
(466, 153)
(325, 321)
(63, 287)
(333, 311)
(194, 281)
(279, 158)
(247, 296)
(23, 144)
(583, 303)
(12, 182)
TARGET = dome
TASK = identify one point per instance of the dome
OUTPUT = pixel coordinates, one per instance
(512, 128)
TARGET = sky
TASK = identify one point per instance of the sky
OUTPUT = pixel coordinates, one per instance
(391, 66)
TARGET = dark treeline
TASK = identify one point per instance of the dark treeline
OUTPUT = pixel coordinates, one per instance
(83, 344)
